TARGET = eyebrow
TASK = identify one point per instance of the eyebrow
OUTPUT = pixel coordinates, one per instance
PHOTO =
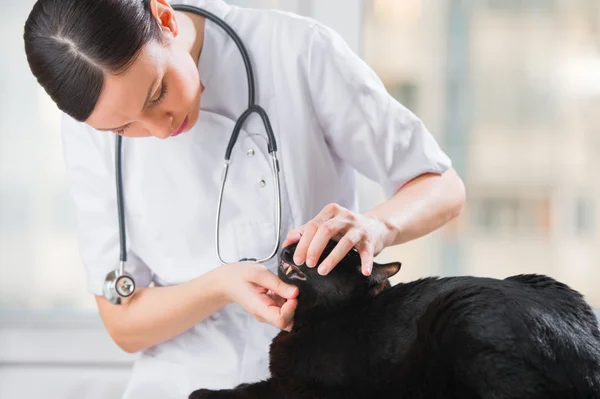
(144, 106)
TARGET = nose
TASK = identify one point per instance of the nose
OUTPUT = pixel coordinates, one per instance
(159, 126)
(287, 253)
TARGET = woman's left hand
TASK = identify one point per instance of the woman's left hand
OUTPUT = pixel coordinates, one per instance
(368, 235)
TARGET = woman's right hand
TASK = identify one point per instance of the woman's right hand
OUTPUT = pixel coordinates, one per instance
(260, 292)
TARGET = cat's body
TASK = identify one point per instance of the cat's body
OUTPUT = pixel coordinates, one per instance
(463, 337)
(523, 337)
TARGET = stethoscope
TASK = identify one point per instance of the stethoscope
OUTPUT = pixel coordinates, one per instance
(119, 283)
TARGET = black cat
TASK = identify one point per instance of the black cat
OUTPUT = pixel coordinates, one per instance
(527, 336)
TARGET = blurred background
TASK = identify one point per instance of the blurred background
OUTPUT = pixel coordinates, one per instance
(510, 88)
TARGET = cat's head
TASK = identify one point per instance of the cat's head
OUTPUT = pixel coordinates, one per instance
(343, 285)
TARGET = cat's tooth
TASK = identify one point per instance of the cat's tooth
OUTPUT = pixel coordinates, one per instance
(289, 270)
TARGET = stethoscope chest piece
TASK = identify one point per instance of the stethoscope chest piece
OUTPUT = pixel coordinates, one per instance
(118, 285)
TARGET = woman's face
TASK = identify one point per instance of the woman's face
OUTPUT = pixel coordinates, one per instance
(158, 95)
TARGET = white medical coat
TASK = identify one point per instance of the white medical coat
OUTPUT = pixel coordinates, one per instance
(331, 115)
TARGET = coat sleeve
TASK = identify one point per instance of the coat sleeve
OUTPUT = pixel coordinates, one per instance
(88, 157)
(362, 122)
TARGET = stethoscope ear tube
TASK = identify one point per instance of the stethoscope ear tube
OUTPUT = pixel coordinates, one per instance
(233, 36)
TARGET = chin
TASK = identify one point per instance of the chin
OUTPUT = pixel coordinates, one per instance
(193, 115)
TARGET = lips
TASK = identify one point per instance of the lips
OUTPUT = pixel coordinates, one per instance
(292, 271)
(181, 128)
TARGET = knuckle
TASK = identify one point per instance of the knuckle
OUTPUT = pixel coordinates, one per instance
(280, 323)
(328, 228)
(278, 285)
(366, 235)
(332, 207)
(312, 225)
(346, 240)
(253, 274)
(352, 239)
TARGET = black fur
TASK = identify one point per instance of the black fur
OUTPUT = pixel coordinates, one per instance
(524, 337)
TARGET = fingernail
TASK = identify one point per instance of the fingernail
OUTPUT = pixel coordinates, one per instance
(310, 262)
(369, 269)
(321, 270)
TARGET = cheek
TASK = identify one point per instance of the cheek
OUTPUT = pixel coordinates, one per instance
(186, 82)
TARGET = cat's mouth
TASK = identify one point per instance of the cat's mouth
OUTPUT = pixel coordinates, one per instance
(292, 271)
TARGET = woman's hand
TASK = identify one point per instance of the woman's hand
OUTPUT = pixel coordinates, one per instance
(260, 292)
(368, 235)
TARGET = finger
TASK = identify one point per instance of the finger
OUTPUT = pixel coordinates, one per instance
(276, 298)
(329, 212)
(261, 307)
(267, 300)
(326, 231)
(344, 245)
(271, 282)
(287, 311)
(309, 232)
(279, 317)
(309, 229)
(366, 253)
(293, 237)
(289, 327)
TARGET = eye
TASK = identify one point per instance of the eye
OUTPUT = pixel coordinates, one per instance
(161, 95)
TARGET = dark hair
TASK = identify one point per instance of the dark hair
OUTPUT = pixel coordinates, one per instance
(72, 44)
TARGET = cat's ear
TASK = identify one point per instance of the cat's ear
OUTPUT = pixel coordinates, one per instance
(380, 275)
(383, 271)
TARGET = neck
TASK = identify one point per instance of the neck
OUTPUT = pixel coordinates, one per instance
(309, 316)
(191, 33)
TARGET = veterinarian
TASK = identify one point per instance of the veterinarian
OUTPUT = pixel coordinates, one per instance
(170, 86)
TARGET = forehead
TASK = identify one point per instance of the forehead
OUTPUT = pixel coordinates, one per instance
(123, 95)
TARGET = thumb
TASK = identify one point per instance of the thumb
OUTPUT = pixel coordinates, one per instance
(270, 281)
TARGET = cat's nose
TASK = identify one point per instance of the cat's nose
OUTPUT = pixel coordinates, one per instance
(287, 253)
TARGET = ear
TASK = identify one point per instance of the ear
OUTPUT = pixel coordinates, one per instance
(383, 271)
(380, 275)
(165, 15)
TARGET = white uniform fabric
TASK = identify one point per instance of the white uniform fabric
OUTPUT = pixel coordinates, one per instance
(330, 114)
